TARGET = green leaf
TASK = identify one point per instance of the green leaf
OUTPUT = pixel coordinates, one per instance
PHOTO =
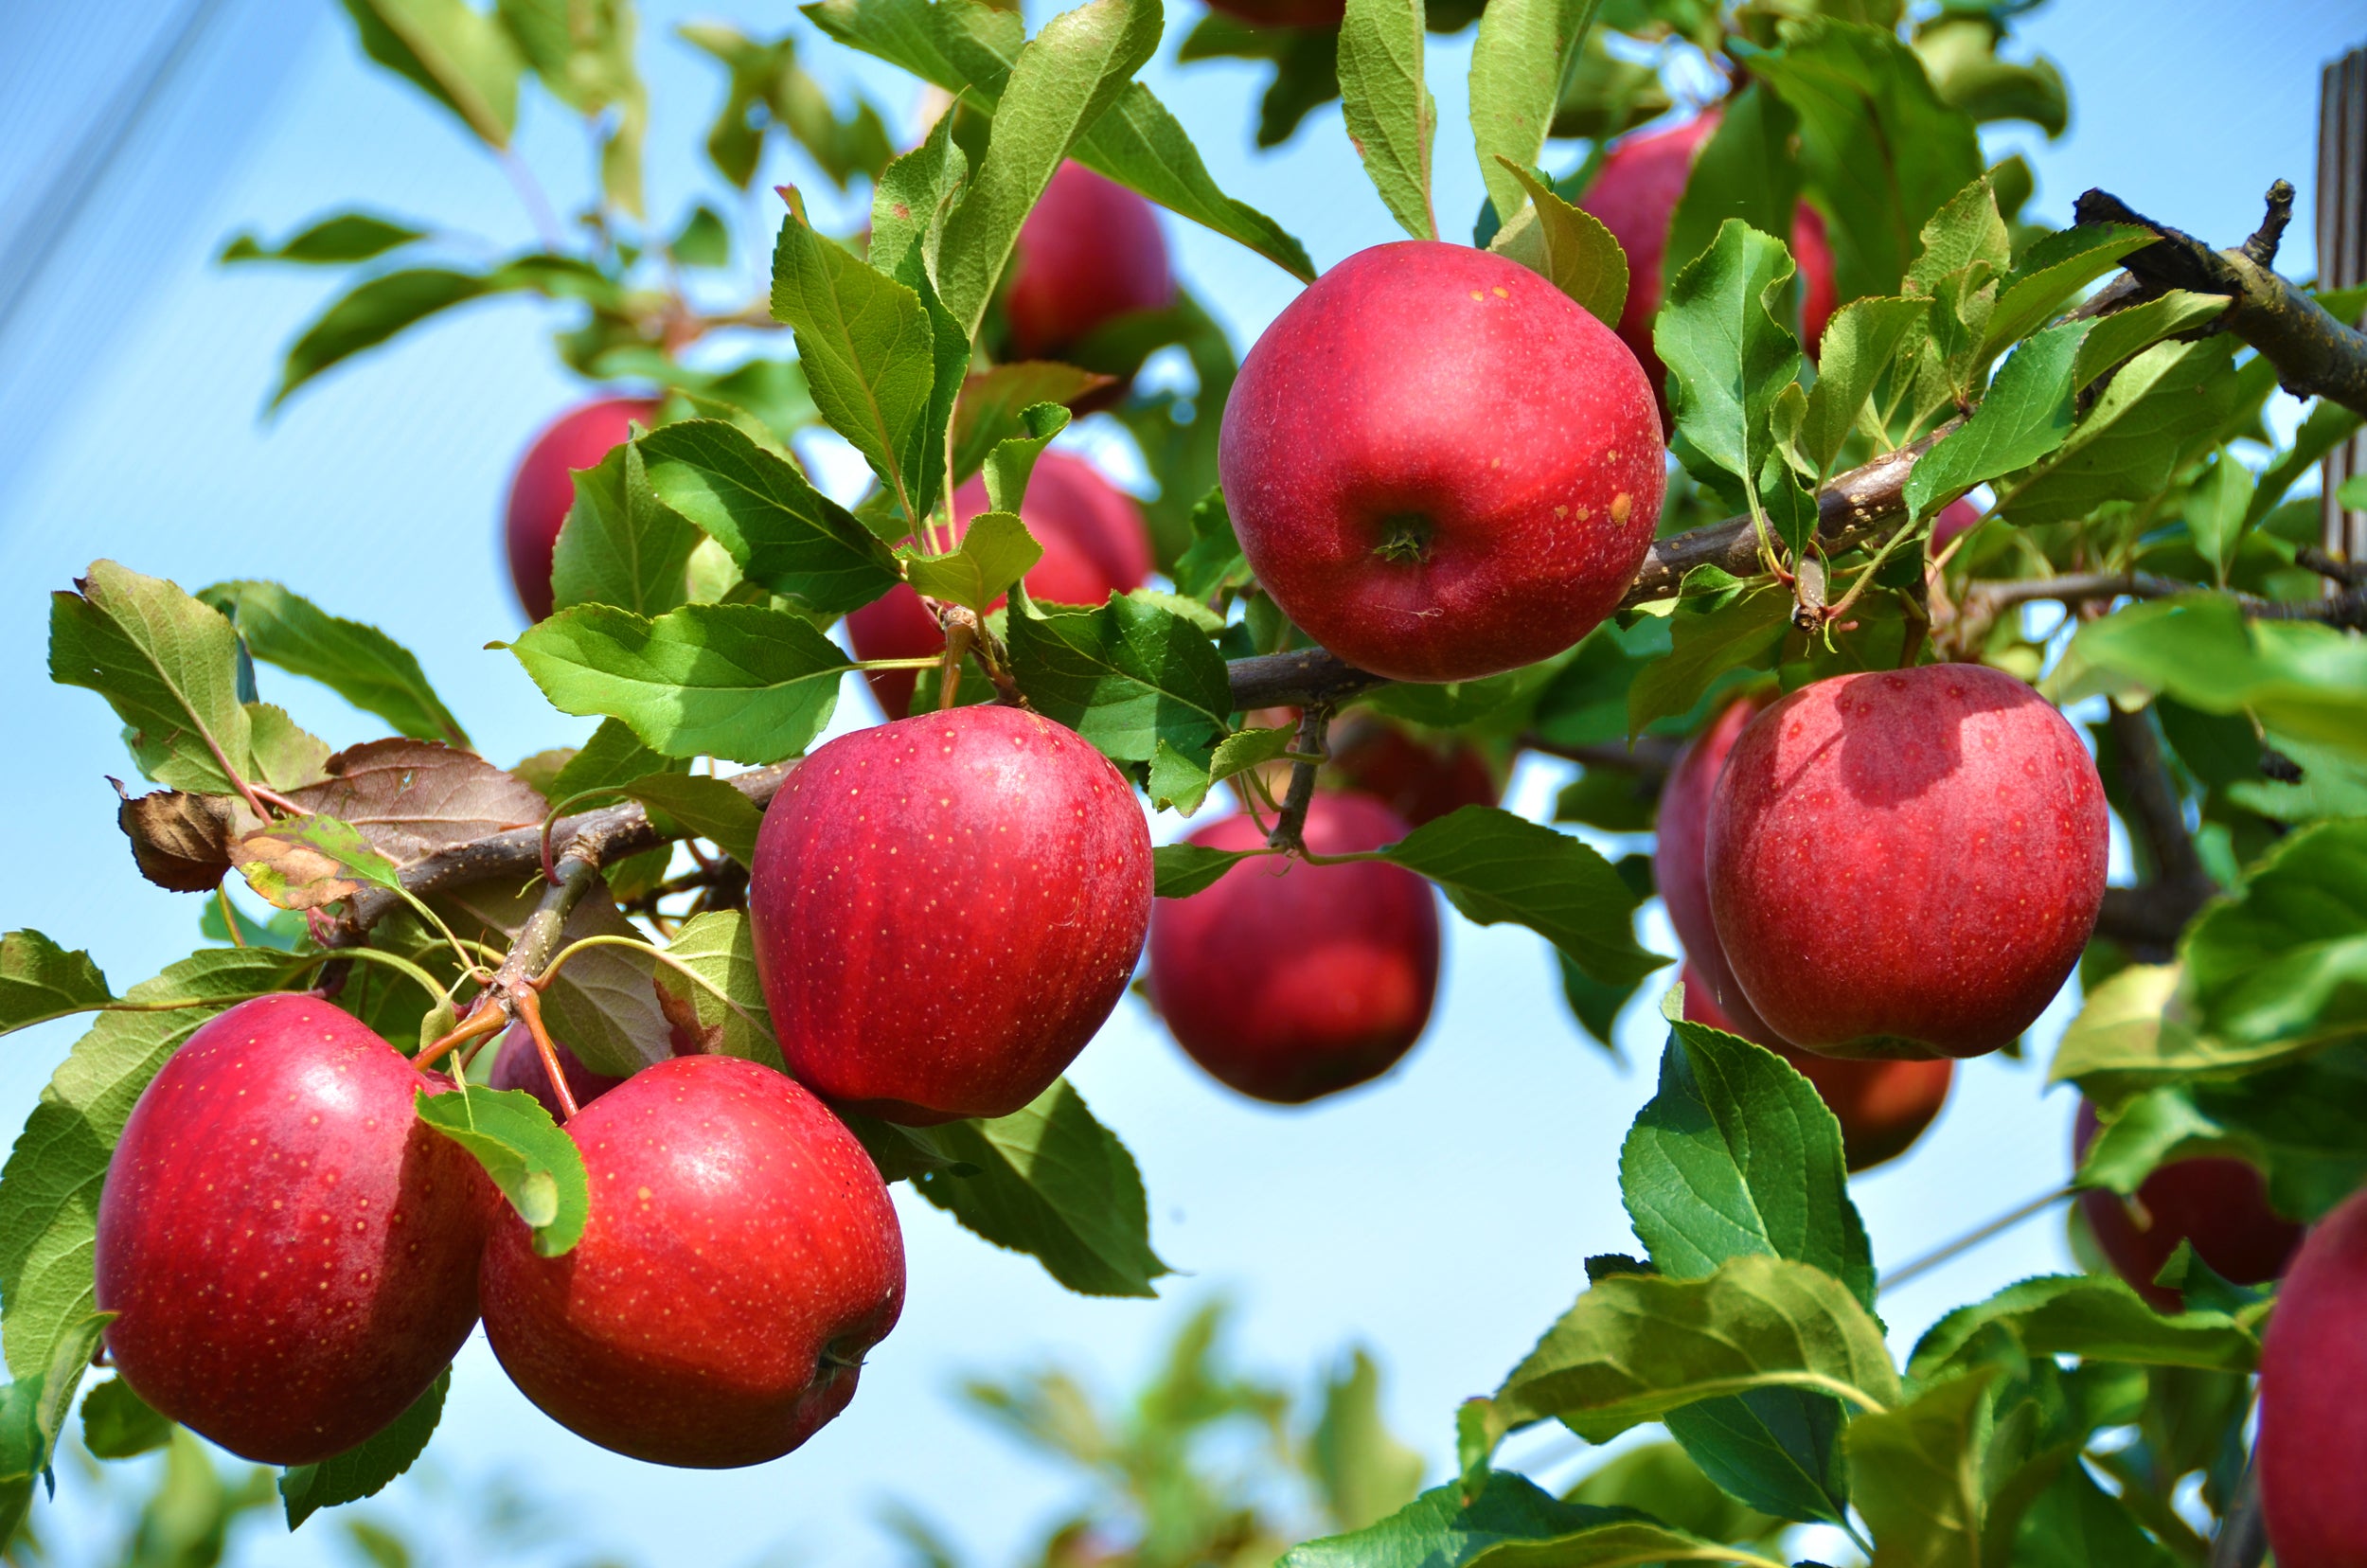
(1495, 866)
(585, 57)
(1744, 171)
(529, 1156)
(2132, 1033)
(1918, 1476)
(303, 863)
(1525, 54)
(2118, 336)
(1390, 117)
(1728, 352)
(1438, 1530)
(1176, 782)
(49, 1190)
(365, 1469)
(1708, 639)
(285, 758)
(2075, 1524)
(117, 1423)
(1861, 341)
(1567, 246)
(1965, 247)
(1364, 1473)
(341, 237)
(870, 354)
(620, 546)
(995, 552)
(783, 534)
(1013, 461)
(1180, 870)
(741, 682)
(1882, 153)
(40, 980)
(1660, 1479)
(719, 946)
(708, 807)
(459, 56)
(1062, 81)
(2083, 1315)
(2282, 962)
(2050, 273)
(1738, 1155)
(613, 757)
(1212, 563)
(2215, 510)
(915, 194)
(167, 665)
(2166, 401)
(359, 663)
(2026, 415)
(1637, 1347)
(1125, 676)
(1054, 1183)
(2329, 425)
(1775, 1450)
(1001, 404)
(371, 312)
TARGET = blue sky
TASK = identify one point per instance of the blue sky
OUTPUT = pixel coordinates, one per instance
(1439, 1217)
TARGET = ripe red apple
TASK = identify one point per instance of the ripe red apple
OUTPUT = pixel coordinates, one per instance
(1290, 981)
(1884, 1107)
(518, 1065)
(1680, 871)
(545, 488)
(1283, 13)
(2221, 1205)
(1954, 520)
(1419, 779)
(945, 908)
(2312, 1447)
(1094, 544)
(1634, 195)
(293, 1253)
(1089, 252)
(1439, 465)
(741, 1256)
(1906, 864)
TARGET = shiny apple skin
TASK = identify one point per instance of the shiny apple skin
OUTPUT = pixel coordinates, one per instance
(1439, 465)
(2219, 1205)
(545, 487)
(1089, 252)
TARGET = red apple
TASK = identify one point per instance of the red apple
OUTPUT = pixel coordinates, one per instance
(741, 1256)
(2221, 1205)
(545, 488)
(1421, 781)
(292, 1254)
(1283, 13)
(1955, 519)
(1439, 465)
(1635, 195)
(1906, 864)
(945, 908)
(518, 1065)
(1884, 1107)
(2312, 1447)
(1094, 544)
(1680, 871)
(1089, 252)
(1290, 981)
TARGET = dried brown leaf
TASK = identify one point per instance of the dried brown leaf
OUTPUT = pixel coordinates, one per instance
(291, 873)
(183, 841)
(410, 798)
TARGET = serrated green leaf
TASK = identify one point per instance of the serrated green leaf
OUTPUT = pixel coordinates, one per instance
(741, 681)
(117, 1423)
(1728, 351)
(1861, 341)
(1125, 676)
(285, 758)
(1495, 866)
(783, 534)
(359, 663)
(1525, 53)
(1013, 461)
(529, 1156)
(365, 1469)
(1054, 1183)
(1180, 870)
(40, 980)
(1567, 246)
(1918, 1474)
(1744, 171)
(612, 756)
(1775, 1450)
(995, 552)
(1001, 404)
(1063, 80)
(719, 946)
(338, 238)
(2048, 275)
(167, 665)
(2282, 961)
(1512, 1524)
(2162, 403)
(2115, 337)
(915, 193)
(2216, 508)
(706, 806)
(1390, 117)
(2087, 1316)
(1213, 563)
(49, 1190)
(459, 56)
(2025, 416)
(1742, 632)
(371, 312)
(620, 546)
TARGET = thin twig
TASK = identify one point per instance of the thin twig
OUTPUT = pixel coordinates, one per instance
(2242, 1540)
(1972, 1239)
(1309, 752)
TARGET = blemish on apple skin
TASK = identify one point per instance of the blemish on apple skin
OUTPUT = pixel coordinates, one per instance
(1621, 505)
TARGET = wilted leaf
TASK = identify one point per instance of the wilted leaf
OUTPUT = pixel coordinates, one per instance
(306, 863)
(183, 841)
(410, 798)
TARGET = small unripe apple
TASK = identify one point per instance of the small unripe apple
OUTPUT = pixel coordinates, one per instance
(2312, 1445)
(1955, 519)
(1906, 864)
(1635, 194)
(1290, 981)
(1419, 779)
(1089, 252)
(945, 909)
(545, 488)
(1884, 1107)
(293, 1253)
(518, 1065)
(741, 1256)
(1094, 544)
(2219, 1205)
(1439, 465)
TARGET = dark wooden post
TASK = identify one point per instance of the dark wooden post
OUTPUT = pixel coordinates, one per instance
(2342, 262)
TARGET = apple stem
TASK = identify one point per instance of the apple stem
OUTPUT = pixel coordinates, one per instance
(1309, 751)
(529, 1006)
